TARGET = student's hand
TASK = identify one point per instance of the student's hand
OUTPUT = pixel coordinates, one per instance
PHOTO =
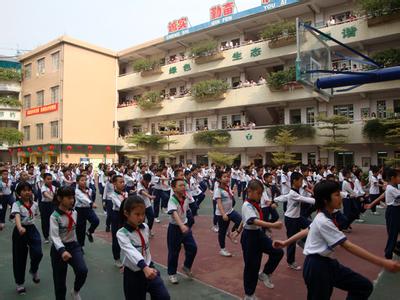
(225, 217)
(152, 197)
(279, 244)
(94, 205)
(273, 205)
(391, 265)
(277, 225)
(367, 206)
(21, 230)
(150, 273)
(66, 256)
(184, 229)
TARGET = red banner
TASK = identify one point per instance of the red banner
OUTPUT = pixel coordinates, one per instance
(41, 109)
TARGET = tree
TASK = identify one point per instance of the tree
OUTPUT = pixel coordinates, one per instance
(392, 137)
(11, 136)
(334, 125)
(222, 159)
(284, 139)
(149, 141)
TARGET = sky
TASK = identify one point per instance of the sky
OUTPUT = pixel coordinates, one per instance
(112, 24)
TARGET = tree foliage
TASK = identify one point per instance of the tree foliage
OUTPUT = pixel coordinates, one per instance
(334, 125)
(208, 89)
(298, 130)
(143, 64)
(149, 141)
(284, 139)
(376, 8)
(11, 136)
(150, 99)
(204, 48)
(222, 159)
(8, 74)
(276, 30)
(212, 138)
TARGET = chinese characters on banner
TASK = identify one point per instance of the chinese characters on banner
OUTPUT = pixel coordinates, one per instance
(219, 11)
(177, 25)
(265, 2)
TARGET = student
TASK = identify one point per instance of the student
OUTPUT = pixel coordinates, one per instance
(165, 192)
(351, 205)
(268, 206)
(157, 191)
(46, 204)
(107, 203)
(116, 198)
(130, 181)
(25, 237)
(179, 233)
(178, 174)
(84, 207)
(140, 276)
(321, 272)
(294, 222)
(6, 197)
(254, 242)
(143, 191)
(65, 249)
(374, 188)
(225, 212)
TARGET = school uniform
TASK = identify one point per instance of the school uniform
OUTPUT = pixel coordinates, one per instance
(30, 240)
(242, 182)
(373, 190)
(5, 199)
(392, 215)
(192, 211)
(149, 208)
(101, 182)
(294, 222)
(116, 199)
(351, 206)
(91, 186)
(46, 208)
(63, 237)
(165, 191)
(135, 248)
(270, 214)
(254, 243)
(129, 183)
(156, 184)
(196, 192)
(321, 272)
(175, 237)
(108, 191)
(227, 202)
(83, 207)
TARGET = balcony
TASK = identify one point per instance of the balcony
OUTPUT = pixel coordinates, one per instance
(10, 86)
(350, 33)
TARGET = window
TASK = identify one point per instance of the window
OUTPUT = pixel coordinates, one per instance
(1, 113)
(27, 133)
(153, 128)
(55, 58)
(182, 126)
(12, 115)
(235, 81)
(201, 124)
(182, 90)
(40, 66)
(365, 112)
(55, 94)
(54, 129)
(381, 157)
(28, 71)
(40, 98)
(381, 109)
(224, 122)
(311, 158)
(27, 101)
(172, 91)
(343, 159)
(396, 106)
(295, 116)
(236, 42)
(344, 110)
(310, 115)
(39, 131)
(236, 120)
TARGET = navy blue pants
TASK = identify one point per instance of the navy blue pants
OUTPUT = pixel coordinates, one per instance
(157, 202)
(175, 238)
(341, 220)
(115, 226)
(322, 274)
(215, 219)
(101, 190)
(46, 209)
(136, 286)
(392, 216)
(93, 195)
(234, 182)
(164, 198)
(351, 209)
(109, 210)
(236, 218)
(373, 197)
(293, 226)
(244, 194)
(241, 187)
(5, 200)
(270, 214)
(190, 217)
(60, 269)
(199, 199)
(85, 214)
(254, 244)
(20, 246)
(150, 217)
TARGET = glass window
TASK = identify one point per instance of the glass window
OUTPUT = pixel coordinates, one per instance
(1, 113)
(182, 126)
(27, 133)
(311, 158)
(27, 101)
(365, 112)
(381, 109)
(310, 115)
(40, 66)
(396, 106)
(295, 116)
(172, 91)
(54, 129)
(28, 71)
(201, 124)
(40, 98)
(55, 58)
(39, 131)
(236, 120)
(381, 158)
(235, 81)
(344, 110)
(224, 122)
(12, 115)
(55, 90)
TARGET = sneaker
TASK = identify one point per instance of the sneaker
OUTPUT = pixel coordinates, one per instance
(2, 225)
(360, 220)
(152, 234)
(46, 241)
(380, 206)
(157, 220)
(187, 272)
(108, 229)
(173, 279)
(21, 290)
(375, 213)
(89, 236)
(164, 210)
(215, 228)
(294, 266)
(266, 279)
(252, 297)
(225, 253)
(118, 263)
(35, 277)
(75, 295)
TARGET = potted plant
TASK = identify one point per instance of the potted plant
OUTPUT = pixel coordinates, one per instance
(206, 51)
(207, 90)
(388, 58)
(150, 100)
(282, 80)
(380, 11)
(212, 138)
(147, 67)
(279, 34)
(8, 74)
(149, 141)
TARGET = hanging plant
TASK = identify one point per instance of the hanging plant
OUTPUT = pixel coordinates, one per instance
(141, 65)
(149, 142)
(212, 138)
(150, 100)
(273, 32)
(10, 101)
(204, 48)
(209, 89)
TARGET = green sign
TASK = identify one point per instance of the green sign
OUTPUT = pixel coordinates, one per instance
(255, 52)
(249, 136)
(349, 32)
(187, 67)
(237, 56)
(173, 70)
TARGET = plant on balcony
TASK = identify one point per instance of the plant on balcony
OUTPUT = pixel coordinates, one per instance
(167, 154)
(280, 79)
(377, 8)
(374, 129)
(11, 136)
(279, 34)
(212, 138)
(222, 159)
(334, 125)
(150, 100)
(143, 64)
(149, 141)
(204, 48)
(284, 139)
(10, 101)
(8, 74)
(301, 131)
(388, 57)
(212, 89)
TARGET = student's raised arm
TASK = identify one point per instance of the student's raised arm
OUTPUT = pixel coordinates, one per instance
(298, 236)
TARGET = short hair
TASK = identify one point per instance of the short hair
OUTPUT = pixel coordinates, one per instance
(45, 175)
(147, 177)
(187, 172)
(115, 178)
(266, 175)
(220, 173)
(79, 177)
(254, 185)
(22, 186)
(64, 191)
(323, 192)
(175, 181)
(295, 176)
(176, 172)
(392, 173)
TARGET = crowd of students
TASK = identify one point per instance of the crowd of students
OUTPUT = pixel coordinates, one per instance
(319, 203)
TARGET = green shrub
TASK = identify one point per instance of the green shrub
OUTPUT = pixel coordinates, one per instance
(212, 138)
(149, 142)
(277, 80)
(150, 100)
(10, 74)
(377, 129)
(299, 131)
(10, 101)
(274, 31)
(11, 136)
(209, 88)
(376, 8)
(204, 48)
(141, 65)
(388, 57)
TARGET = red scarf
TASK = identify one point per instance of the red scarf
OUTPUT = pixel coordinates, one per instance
(71, 221)
(181, 203)
(50, 187)
(227, 190)
(256, 205)
(28, 207)
(142, 241)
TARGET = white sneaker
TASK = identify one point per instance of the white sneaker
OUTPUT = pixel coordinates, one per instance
(252, 297)
(187, 272)
(266, 279)
(46, 241)
(294, 266)
(118, 263)
(225, 253)
(2, 225)
(375, 213)
(21, 290)
(360, 220)
(75, 295)
(215, 228)
(173, 279)
(157, 220)
(380, 206)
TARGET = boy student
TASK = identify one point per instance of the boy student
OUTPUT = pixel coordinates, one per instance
(254, 242)
(143, 190)
(294, 222)
(46, 205)
(179, 233)
(6, 197)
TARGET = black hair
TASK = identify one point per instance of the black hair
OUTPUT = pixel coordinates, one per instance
(266, 175)
(175, 181)
(357, 173)
(345, 172)
(375, 169)
(176, 172)
(392, 173)
(79, 177)
(295, 176)
(147, 177)
(220, 173)
(187, 172)
(64, 191)
(4, 170)
(255, 185)
(285, 169)
(115, 177)
(128, 205)
(22, 186)
(330, 177)
(45, 175)
(323, 191)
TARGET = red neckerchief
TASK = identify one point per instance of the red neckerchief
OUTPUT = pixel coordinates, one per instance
(351, 184)
(226, 190)
(86, 192)
(141, 241)
(50, 187)
(332, 217)
(71, 221)
(181, 203)
(256, 205)
(122, 194)
(28, 207)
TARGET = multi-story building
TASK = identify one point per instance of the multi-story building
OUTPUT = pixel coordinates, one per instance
(10, 107)
(68, 93)
(250, 106)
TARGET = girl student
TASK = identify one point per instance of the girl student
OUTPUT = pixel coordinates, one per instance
(25, 237)
(107, 203)
(254, 242)
(48, 191)
(140, 276)
(224, 211)
(66, 249)
(144, 192)
(6, 197)
(321, 271)
(268, 205)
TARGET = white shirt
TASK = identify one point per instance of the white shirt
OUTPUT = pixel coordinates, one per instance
(346, 187)
(226, 200)
(26, 218)
(358, 188)
(82, 198)
(50, 191)
(392, 195)
(285, 184)
(174, 205)
(374, 185)
(249, 214)
(294, 200)
(140, 189)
